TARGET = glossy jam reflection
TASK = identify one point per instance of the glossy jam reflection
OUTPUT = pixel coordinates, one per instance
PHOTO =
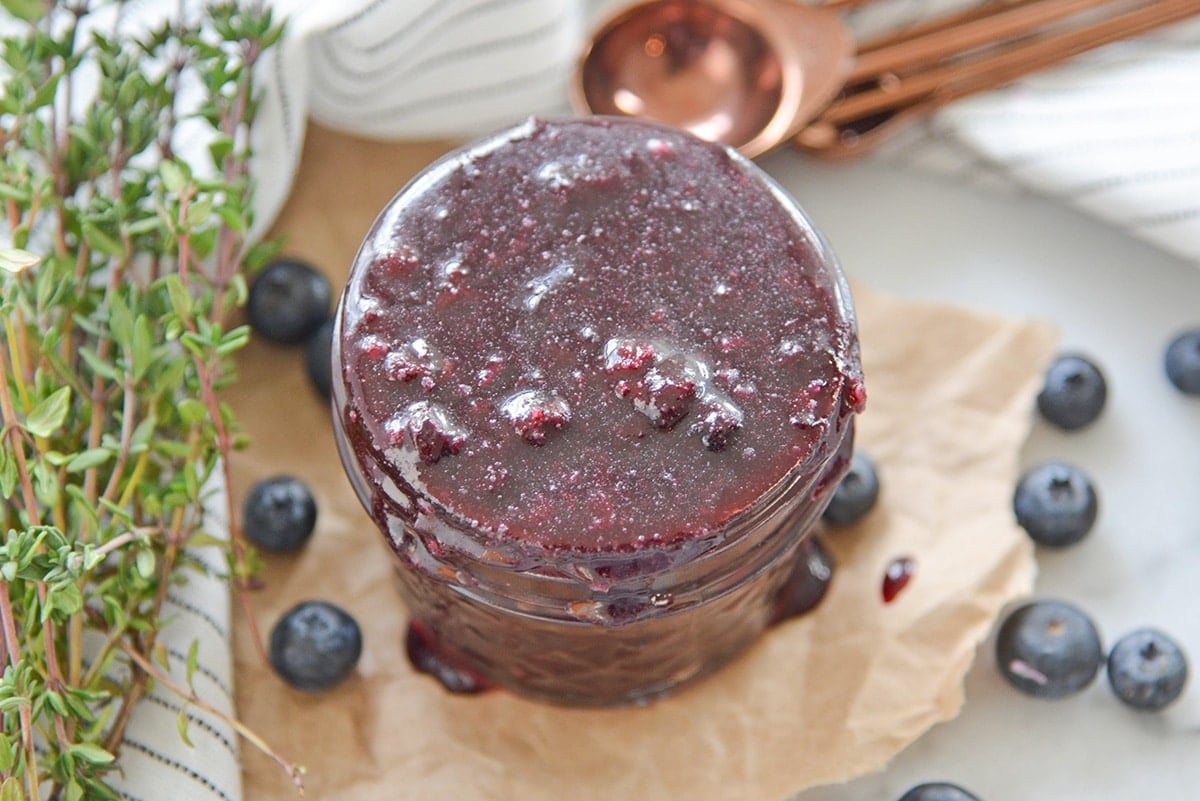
(597, 379)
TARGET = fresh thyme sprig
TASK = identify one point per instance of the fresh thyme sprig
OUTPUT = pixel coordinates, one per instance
(123, 267)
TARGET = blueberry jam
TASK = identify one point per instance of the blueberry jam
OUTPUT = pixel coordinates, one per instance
(596, 377)
(422, 654)
(896, 577)
(809, 582)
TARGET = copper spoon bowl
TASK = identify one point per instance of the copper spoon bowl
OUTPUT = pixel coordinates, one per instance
(748, 73)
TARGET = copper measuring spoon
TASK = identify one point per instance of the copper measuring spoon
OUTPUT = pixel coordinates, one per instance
(748, 73)
(757, 73)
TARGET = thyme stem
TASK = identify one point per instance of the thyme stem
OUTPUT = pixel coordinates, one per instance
(117, 346)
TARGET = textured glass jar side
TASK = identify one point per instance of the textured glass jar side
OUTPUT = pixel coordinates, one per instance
(618, 649)
(607, 628)
(572, 640)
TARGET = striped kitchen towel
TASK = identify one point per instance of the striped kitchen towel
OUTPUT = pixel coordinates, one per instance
(157, 764)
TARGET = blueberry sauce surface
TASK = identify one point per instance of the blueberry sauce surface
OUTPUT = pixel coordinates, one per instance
(594, 335)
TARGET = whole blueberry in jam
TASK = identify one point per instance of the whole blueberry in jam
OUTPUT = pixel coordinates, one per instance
(288, 301)
(1056, 504)
(1147, 669)
(1074, 392)
(1048, 649)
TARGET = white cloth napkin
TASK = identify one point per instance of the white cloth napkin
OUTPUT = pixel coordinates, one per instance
(1116, 133)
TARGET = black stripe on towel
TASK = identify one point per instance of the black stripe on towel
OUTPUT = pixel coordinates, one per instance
(203, 670)
(426, 104)
(195, 720)
(179, 767)
(400, 67)
(198, 613)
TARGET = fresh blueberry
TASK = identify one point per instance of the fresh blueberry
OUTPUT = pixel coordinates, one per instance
(317, 352)
(1074, 392)
(1183, 362)
(938, 791)
(288, 301)
(1048, 649)
(1056, 504)
(855, 494)
(315, 645)
(1147, 669)
(279, 514)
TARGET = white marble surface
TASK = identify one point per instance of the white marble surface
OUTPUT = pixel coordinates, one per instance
(1120, 301)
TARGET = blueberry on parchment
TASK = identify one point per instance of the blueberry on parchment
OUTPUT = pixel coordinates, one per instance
(317, 358)
(279, 514)
(856, 493)
(315, 645)
(288, 301)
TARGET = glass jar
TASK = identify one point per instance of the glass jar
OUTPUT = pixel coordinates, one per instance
(596, 380)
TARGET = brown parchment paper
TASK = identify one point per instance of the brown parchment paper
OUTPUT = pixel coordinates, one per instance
(820, 699)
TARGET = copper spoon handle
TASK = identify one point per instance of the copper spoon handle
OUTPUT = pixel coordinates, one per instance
(891, 92)
(922, 49)
(943, 22)
(857, 123)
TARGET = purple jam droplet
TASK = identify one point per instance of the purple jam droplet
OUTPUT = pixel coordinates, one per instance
(899, 572)
(424, 657)
(808, 583)
(856, 395)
